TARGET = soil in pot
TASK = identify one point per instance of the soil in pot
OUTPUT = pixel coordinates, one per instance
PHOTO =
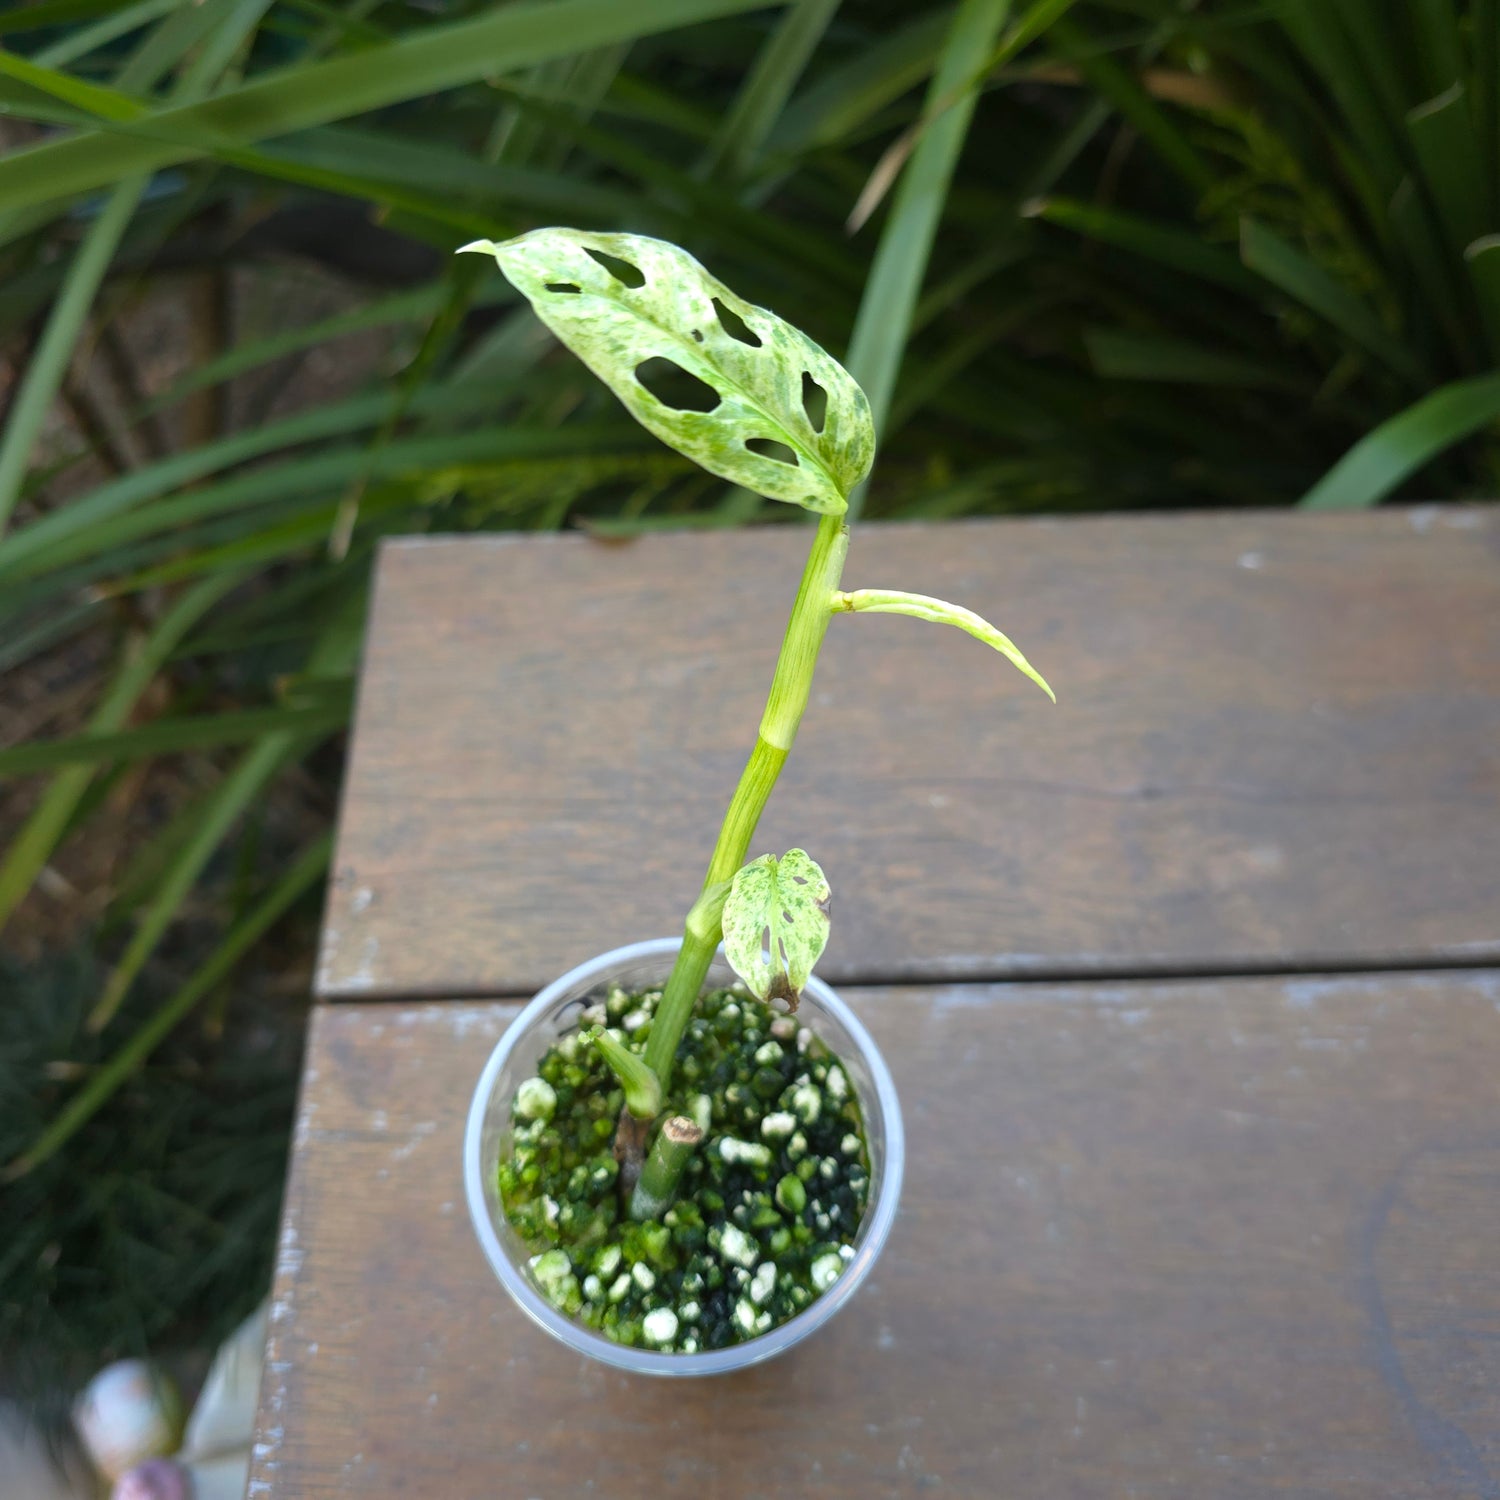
(768, 1206)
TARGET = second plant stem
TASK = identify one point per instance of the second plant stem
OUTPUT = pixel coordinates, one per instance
(790, 688)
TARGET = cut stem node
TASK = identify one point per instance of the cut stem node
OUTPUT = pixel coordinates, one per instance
(656, 1190)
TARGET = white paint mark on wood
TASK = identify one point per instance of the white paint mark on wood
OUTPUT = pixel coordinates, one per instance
(289, 1255)
(303, 1130)
(363, 977)
(460, 1020)
(419, 1133)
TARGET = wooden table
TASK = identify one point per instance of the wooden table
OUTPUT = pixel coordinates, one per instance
(1190, 986)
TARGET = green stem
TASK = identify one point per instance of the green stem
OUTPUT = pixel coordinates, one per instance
(657, 1189)
(778, 728)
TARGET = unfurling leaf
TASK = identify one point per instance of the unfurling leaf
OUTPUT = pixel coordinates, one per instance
(728, 384)
(776, 924)
(642, 1086)
(893, 602)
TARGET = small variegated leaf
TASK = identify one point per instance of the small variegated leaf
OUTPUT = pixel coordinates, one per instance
(776, 924)
(790, 423)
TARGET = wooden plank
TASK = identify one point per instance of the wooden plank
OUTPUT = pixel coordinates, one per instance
(1277, 746)
(1187, 1238)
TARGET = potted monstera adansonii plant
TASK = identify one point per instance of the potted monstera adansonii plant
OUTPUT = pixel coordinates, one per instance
(670, 1164)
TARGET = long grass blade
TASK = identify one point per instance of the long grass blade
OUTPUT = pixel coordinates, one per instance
(890, 296)
(1308, 283)
(1376, 464)
(1027, 28)
(52, 13)
(86, 98)
(924, 381)
(1413, 227)
(1447, 150)
(1121, 354)
(1174, 248)
(80, 43)
(22, 553)
(57, 625)
(1439, 51)
(54, 351)
(1483, 260)
(1324, 43)
(841, 104)
(742, 134)
(171, 737)
(290, 162)
(365, 156)
(1382, 52)
(1485, 88)
(318, 474)
(438, 58)
(33, 846)
(1121, 89)
(401, 307)
(245, 782)
(225, 23)
(303, 875)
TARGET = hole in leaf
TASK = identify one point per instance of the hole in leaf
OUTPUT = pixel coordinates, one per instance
(563, 286)
(814, 402)
(735, 326)
(675, 387)
(621, 270)
(770, 448)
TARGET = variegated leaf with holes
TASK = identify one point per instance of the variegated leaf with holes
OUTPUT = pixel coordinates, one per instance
(779, 415)
(776, 924)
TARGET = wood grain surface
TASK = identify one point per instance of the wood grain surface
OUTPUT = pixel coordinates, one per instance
(1277, 746)
(1191, 1238)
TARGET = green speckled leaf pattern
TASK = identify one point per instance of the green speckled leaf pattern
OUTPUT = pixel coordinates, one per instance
(615, 328)
(776, 924)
